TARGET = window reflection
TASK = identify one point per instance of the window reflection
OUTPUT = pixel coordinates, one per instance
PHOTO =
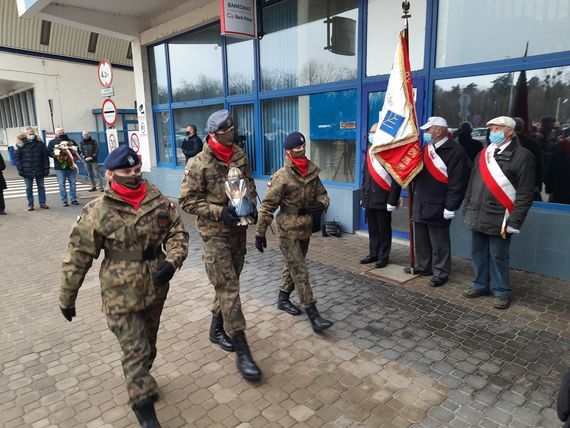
(295, 50)
(159, 78)
(478, 99)
(196, 65)
(164, 141)
(240, 66)
(328, 122)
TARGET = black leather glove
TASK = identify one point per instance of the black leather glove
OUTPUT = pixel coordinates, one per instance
(260, 243)
(317, 208)
(229, 216)
(68, 313)
(254, 215)
(164, 272)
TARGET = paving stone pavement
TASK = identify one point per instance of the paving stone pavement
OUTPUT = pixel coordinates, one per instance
(397, 356)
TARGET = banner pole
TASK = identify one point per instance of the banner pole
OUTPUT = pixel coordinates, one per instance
(406, 15)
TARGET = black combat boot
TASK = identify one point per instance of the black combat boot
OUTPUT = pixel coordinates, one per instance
(245, 363)
(285, 304)
(319, 324)
(218, 335)
(146, 414)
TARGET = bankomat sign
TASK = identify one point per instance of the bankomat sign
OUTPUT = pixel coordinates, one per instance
(237, 18)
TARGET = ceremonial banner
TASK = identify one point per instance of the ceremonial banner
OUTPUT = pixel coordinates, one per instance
(396, 141)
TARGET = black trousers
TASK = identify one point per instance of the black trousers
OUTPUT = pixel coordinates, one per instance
(2, 204)
(380, 233)
(433, 249)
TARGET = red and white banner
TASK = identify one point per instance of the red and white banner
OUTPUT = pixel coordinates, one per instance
(396, 141)
(497, 182)
(378, 172)
(434, 164)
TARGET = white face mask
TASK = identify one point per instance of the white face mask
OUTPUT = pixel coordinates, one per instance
(371, 138)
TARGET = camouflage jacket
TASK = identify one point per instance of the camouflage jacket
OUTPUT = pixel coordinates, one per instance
(289, 190)
(111, 224)
(203, 190)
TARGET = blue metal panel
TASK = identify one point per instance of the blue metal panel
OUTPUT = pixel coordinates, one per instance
(332, 116)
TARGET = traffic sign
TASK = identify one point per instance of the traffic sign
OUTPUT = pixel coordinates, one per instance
(112, 139)
(134, 141)
(105, 73)
(108, 92)
(109, 111)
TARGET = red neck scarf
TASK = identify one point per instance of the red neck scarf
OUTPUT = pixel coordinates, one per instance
(222, 152)
(133, 197)
(302, 164)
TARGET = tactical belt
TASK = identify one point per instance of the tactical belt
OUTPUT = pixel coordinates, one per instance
(135, 255)
(295, 210)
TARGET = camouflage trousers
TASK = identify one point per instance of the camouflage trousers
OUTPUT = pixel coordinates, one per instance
(136, 333)
(295, 272)
(224, 257)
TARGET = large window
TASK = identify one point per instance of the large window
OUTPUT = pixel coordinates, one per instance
(18, 110)
(383, 29)
(240, 66)
(196, 116)
(485, 30)
(196, 65)
(158, 74)
(328, 121)
(308, 42)
(480, 98)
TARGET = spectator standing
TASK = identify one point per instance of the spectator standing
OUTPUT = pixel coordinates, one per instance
(63, 173)
(32, 162)
(558, 180)
(531, 145)
(499, 195)
(469, 144)
(89, 152)
(380, 195)
(192, 144)
(546, 140)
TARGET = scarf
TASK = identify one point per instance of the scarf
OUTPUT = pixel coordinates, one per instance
(302, 164)
(133, 197)
(222, 152)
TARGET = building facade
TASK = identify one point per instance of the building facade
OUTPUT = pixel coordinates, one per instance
(321, 68)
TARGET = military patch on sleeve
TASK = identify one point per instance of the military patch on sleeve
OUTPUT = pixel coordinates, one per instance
(163, 221)
(186, 172)
(172, 206)
(78, 218)
(269, 183)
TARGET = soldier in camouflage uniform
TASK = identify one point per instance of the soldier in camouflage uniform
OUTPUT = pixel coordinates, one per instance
(132, 221)
(203, 193)
(297, 190)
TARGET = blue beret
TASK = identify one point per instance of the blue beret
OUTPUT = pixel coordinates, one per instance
(122, 157)
(293, 140)
(221, 119)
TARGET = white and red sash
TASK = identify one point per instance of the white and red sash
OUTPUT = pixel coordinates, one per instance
(497, 182)
(378, 172)
(434, 164)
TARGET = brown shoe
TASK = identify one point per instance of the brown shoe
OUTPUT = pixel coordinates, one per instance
(44, 206)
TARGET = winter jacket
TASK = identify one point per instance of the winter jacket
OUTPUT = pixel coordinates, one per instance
(2, 168)
(375, 197)
(431, 196)
(88, 149)
(203, 191)
(482, 211)
(532, 146)
(191, 146)
(51, 146)
(289, 190)
(31, 157)
(558, 180)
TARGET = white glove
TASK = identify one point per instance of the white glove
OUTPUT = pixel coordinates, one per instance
(448, 215)
(512, 230)
(391, 208)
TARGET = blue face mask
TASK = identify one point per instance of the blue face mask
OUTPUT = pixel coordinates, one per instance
(30, 137)
(427, 138)
(497, 137)
(371, 138)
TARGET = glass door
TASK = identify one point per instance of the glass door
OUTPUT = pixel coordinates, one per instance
(373, 100)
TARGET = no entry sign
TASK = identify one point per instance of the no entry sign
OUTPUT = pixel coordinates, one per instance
(105, 73)
(109, 111)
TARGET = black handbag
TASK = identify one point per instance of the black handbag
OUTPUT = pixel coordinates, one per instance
(331, 228)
